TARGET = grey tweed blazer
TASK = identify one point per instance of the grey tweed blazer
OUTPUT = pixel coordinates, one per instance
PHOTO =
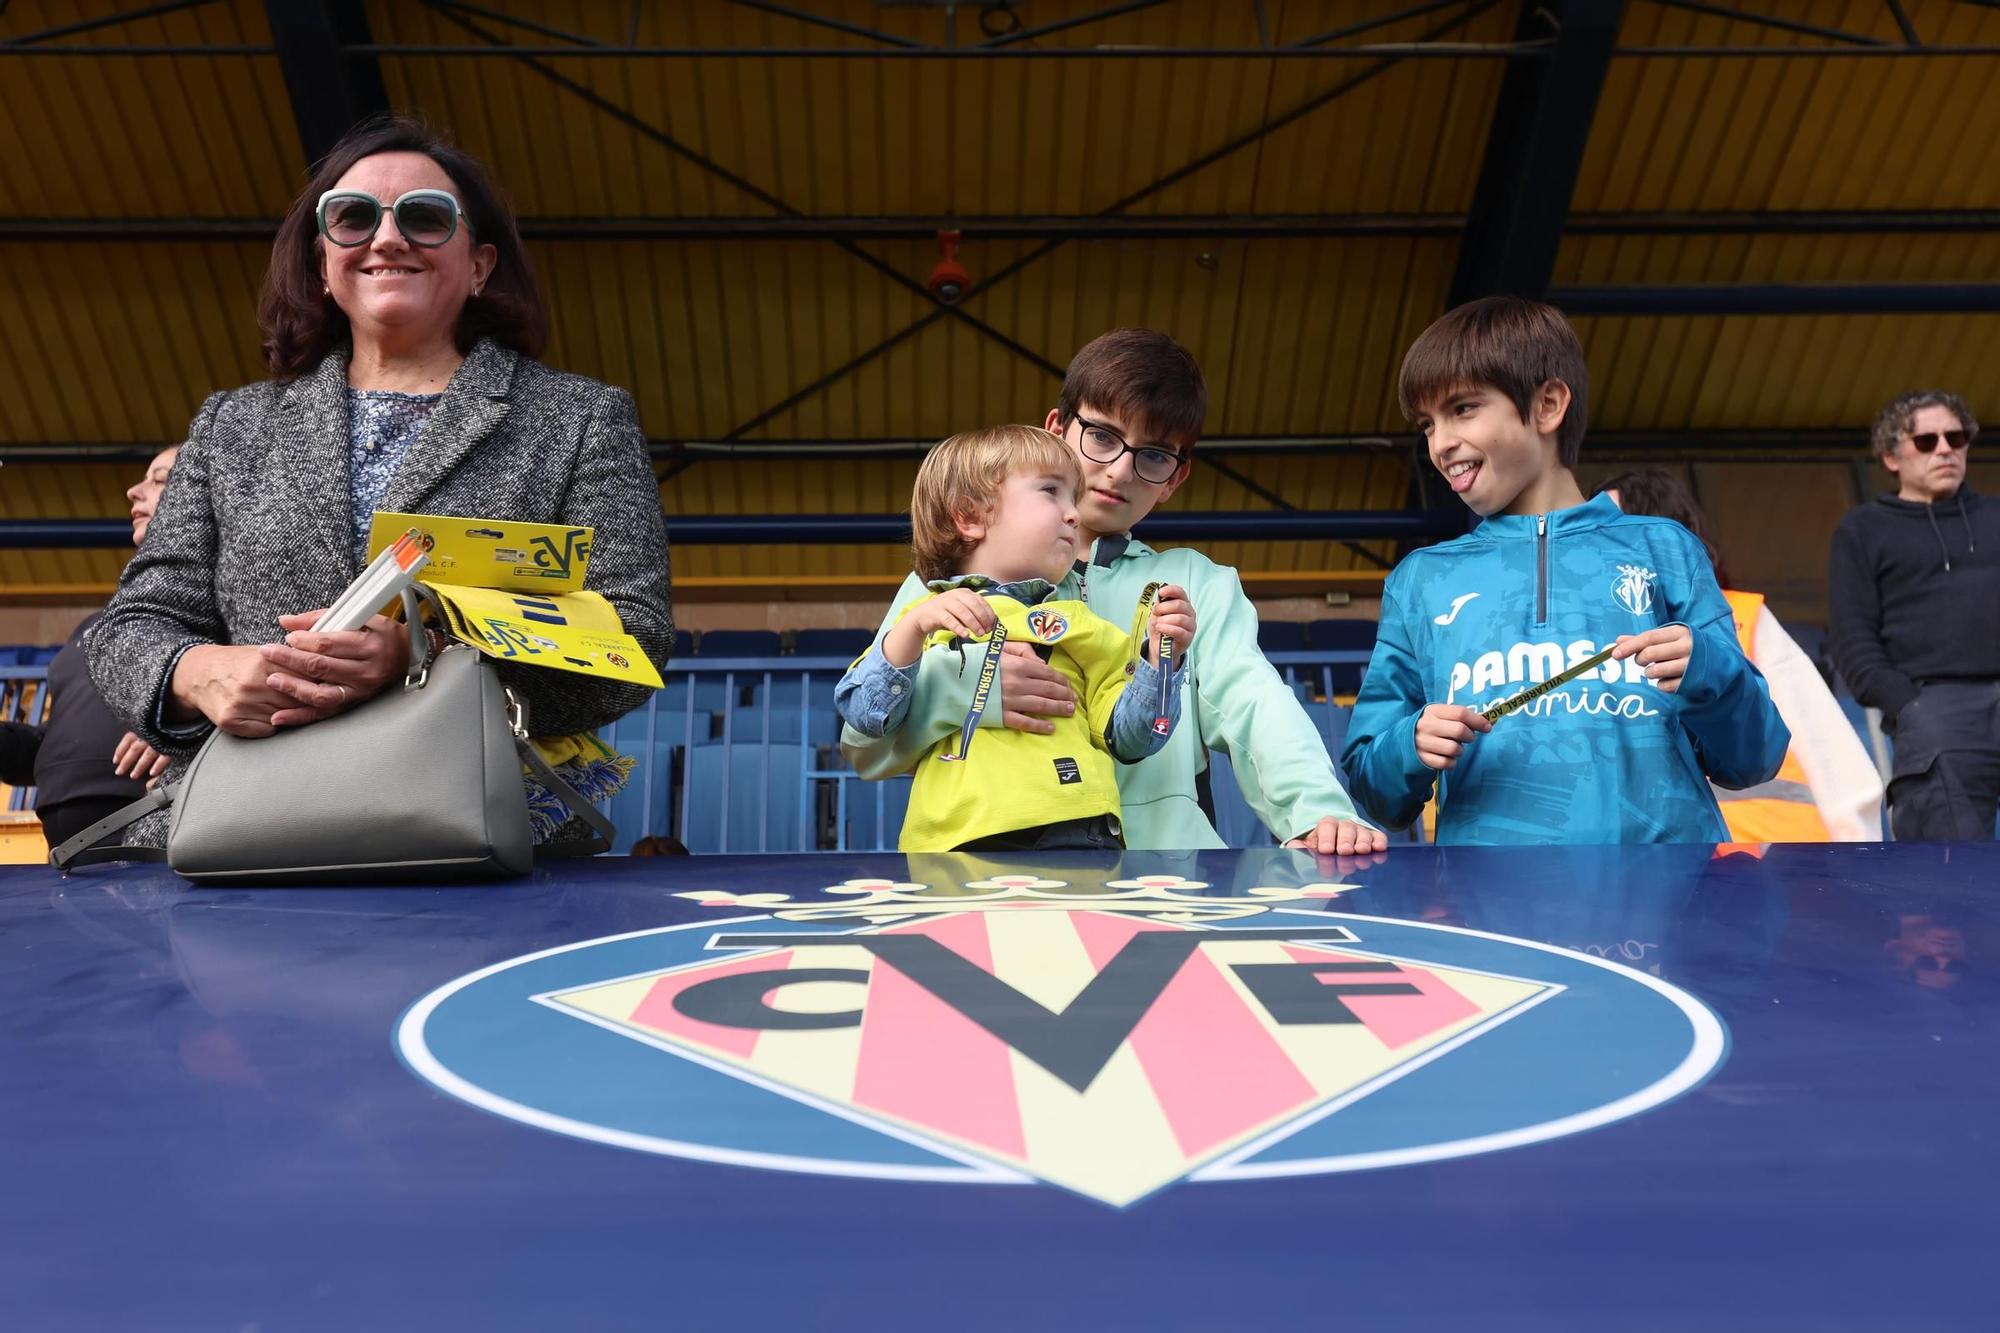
(255, 524)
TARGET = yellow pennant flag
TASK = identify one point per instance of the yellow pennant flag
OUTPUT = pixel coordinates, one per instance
(574, 631)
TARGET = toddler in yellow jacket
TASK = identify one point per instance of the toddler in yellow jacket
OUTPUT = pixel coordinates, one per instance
(995, 529)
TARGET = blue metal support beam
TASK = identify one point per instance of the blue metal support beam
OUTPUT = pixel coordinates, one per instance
(1783, 298)
(330, 93)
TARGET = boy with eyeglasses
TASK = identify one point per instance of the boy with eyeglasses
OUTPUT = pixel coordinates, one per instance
(1913, 587)
(1132, 406)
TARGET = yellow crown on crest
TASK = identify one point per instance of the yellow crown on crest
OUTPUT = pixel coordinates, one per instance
(1161, 897)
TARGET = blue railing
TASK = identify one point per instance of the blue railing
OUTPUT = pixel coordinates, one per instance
(742, 754)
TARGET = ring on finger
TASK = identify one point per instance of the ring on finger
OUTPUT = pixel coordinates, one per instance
(343, 694)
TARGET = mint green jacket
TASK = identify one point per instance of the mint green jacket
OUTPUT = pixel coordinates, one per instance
(1233, 701)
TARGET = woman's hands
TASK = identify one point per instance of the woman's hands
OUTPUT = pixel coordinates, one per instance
(252, 690)
(329, 673)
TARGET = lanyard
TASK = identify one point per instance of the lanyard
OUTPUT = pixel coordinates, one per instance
(981, 691)
(1142, 624)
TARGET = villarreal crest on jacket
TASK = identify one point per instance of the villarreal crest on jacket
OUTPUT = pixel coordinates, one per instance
(1609, 757)
(1014, 779)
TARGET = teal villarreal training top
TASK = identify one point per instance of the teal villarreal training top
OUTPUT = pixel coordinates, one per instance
(1608, 758)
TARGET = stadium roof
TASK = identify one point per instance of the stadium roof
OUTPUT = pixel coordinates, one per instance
(1766, 218)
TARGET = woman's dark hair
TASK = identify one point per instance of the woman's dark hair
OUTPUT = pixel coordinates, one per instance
(301, 324)
(1656, 491)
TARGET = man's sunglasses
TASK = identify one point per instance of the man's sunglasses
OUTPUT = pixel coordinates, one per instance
(1928, 441)
(425, 217)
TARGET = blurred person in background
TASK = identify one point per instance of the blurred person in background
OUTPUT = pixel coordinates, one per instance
(89, 764)
(1828, 789)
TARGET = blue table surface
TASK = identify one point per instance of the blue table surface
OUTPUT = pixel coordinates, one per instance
(205, 1124)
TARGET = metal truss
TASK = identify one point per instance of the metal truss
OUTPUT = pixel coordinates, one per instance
(448, 8)
(1120, 206)
(331, 70)
(870, 43)
(1075, 227)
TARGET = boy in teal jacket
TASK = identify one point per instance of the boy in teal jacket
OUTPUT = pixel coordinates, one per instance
(1626, 752)
(1132, 407)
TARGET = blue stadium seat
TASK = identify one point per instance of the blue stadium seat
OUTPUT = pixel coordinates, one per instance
(846, 644)
(866, 801)
(1330, 724)
(819, 719)
(637, 811)
(761, 805)
(1343, 636)
(739, 643)
(788, 724)
(710, 694)
(1280, 636)
(1234, 819)
(1304, 680)
(683, 643)
(1358, 635)
(41, 656)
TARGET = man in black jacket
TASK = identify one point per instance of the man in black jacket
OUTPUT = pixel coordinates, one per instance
(1914, 590)
(88, 764)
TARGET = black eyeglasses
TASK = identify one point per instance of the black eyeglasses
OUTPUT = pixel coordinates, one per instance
(1101, 444)
(425, 217)
(1928, 441)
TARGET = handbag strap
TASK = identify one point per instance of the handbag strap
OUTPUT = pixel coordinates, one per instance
(603, 828)
(415, 598)
(82, 851)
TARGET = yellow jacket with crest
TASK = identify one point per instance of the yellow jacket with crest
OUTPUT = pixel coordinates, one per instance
(1013, 779)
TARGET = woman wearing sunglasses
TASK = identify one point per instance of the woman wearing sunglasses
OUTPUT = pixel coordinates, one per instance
(401, 321)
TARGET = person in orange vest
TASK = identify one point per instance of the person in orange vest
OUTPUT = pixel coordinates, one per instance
(1828, 789)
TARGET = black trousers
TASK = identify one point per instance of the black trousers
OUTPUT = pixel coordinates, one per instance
(1099, 832)
(1946, 783)
(63, 820)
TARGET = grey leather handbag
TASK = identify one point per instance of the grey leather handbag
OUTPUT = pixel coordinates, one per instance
(421, 782)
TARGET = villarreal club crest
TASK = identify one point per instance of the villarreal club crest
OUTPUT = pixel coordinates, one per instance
(1112, 1039)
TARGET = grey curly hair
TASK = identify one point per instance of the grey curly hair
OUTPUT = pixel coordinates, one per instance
(1895, 419)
